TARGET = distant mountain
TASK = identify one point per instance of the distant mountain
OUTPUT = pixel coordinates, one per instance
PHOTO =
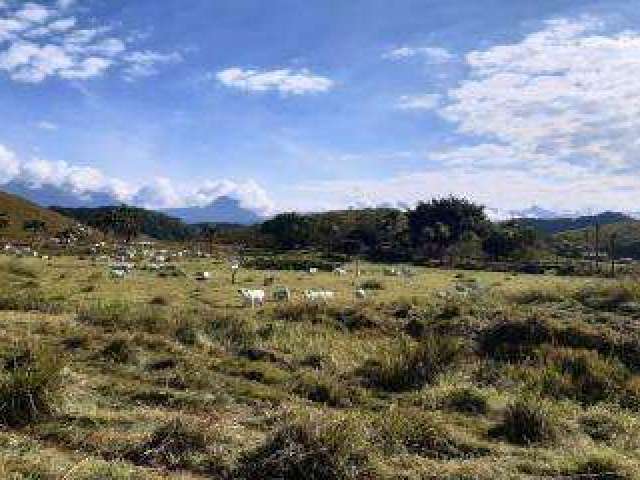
(222, 210)
(20, 210)
(149, 222)
(552, 226)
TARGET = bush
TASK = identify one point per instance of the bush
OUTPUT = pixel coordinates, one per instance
(334, 449)
(30, 386)
(413, 365)
(301, 312)
(467, 400)
(525, 422)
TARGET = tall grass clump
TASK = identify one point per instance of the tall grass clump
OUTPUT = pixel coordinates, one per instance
(31, 385)
(311, 449)
(174, 445)
(583, 375)
(116, 315)
(413, 431)
(527, 421)
(412, 365)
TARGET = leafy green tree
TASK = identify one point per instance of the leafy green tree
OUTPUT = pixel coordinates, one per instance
(440, 223)
(509, 240)
(5, 221)
(289, 230)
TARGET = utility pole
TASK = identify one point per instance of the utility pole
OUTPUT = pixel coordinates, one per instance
(597, 245)
(612, 253)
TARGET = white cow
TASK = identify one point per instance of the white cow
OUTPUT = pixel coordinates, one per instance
(318, 295)
(252, 297)
(118, 273)
(203, 276)
(361, 294)
(313, 270)
(340, 271)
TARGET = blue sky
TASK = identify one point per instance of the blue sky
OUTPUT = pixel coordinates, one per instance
(324, 104)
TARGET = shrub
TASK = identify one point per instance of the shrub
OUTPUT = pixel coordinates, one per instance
(413, 365)
(30, 386)
(334, 449)
(236, 332)
(301, 312)
(526, 421)
(467, 400)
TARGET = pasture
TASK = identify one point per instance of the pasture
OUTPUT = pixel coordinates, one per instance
(434, 375)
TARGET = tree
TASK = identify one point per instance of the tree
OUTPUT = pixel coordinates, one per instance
(122, 221)
(289, 230)
(5, 221)
(34, 227)
(440, 223)
(509, 240)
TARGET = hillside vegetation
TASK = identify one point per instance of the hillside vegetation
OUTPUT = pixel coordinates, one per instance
(627, 238)
(18, 211)
(551, 226)
(141, 221)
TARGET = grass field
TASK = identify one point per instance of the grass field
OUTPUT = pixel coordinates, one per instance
(442, 375)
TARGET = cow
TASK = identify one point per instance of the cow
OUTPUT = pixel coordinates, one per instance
(318, 295)
(361, 294)
(252, 297)
(340, 271)
(313, 270)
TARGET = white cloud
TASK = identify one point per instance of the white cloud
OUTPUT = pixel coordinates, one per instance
(33, 13)
(431, 54)
(285, 81)
(39, 42)
(145, 64)
(564, 96)
(429, 101)
(46, 125)
(83, 181)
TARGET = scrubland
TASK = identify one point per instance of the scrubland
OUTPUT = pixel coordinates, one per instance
(441, 375)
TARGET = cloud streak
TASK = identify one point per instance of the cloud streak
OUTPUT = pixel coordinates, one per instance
(285, 81)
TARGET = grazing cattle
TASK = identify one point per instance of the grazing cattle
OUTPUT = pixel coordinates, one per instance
(361, 294)
(118, 273)
(252, 297)
(282, 294)
(318, 295)
(313, 270)
(340, 271)
(203, 276)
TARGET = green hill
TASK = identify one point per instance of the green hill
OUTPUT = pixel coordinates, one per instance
(627, 243)
(552, 226)
(147, 222)
(19, 211)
